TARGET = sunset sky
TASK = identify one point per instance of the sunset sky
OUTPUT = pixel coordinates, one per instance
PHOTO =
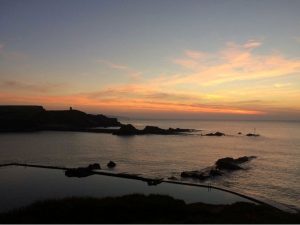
(153, 59)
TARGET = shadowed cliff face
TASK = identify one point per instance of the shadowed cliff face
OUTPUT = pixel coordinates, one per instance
(28, 118)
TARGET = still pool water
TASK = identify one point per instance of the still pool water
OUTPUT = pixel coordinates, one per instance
(21, 186)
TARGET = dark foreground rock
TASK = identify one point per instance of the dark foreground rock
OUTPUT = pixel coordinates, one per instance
(129, 129)
(225, 164)
(140, 209)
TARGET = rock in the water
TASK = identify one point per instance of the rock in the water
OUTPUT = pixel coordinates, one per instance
(154, 181)
(215, 134)
(157, 130)
(194, 174)
(94, 166)
(239, 132)
(111, 164)
(178, 130)
(227, 163)
(78, 172)
(252, 135)
(131, 130)
(215, 172)
(153, 130)
(128, 129)
(82, 171)
(244, 159)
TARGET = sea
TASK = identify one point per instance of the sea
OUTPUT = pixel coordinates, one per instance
(274, 174)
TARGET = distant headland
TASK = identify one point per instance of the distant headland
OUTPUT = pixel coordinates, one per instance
(14, 118)
(28, 118)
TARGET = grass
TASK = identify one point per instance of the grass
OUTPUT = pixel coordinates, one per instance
(143, 209)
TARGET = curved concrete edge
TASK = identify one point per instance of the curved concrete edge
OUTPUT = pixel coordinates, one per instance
(255, 199)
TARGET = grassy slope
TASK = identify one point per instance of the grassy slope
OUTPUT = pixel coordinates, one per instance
(143, 209)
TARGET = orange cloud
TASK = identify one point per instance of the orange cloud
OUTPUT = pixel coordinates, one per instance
(17, 86)
(234, 63)
(199, 89)
(131, 104)
(129, 71)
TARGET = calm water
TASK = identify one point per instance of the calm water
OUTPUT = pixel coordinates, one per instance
(275, 174)
(26, 185)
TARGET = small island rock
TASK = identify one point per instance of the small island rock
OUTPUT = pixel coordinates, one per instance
(111, 164)
(127, 129)
(215, 134)
(94, 166)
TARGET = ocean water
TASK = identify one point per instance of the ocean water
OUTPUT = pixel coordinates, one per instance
(275, 174)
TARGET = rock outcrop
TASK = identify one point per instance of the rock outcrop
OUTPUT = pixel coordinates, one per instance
(111, 164)
(94, 166)
(195, 174)
(129, 129)
(82, 171)
(221, 166)
(227, 163)
(215, 134)
(252, 135)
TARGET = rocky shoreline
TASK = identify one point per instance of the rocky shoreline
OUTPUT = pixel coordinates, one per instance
(36, 118)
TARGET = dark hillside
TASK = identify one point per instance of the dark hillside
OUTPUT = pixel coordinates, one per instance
(29, 118)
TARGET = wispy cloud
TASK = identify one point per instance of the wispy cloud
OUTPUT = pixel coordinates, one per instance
(17, 85)
(131, 105)
(198, 87)
(280, 85)
(132, 73)
(251, 44)
(235, 62)
(296, 38)
(1, 47)
(11, 55)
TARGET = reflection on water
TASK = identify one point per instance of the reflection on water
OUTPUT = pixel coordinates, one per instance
(275, 174)
(21, 186)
